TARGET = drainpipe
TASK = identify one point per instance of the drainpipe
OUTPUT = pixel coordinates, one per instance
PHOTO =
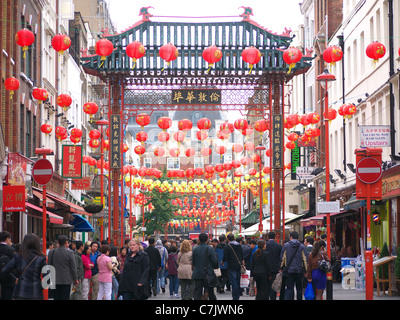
(393, 155)
(341, 43)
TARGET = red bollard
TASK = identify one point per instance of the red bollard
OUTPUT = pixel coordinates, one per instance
(369, 276)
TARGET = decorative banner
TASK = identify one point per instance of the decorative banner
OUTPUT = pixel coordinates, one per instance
(295, 160)
(374, 136)
(16, 171)
(72, 161)
(277, 136)
(81, 184)
(13, 198)
(115, 143)
(196, 96)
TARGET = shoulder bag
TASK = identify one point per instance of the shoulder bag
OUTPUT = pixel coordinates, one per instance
(242, 267)
(286, 267)
(324, 265)
(16, 280)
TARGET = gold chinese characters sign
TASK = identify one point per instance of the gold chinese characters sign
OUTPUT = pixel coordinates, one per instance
(115, 141)
(72, 161)
(196, 96)
(277, 142)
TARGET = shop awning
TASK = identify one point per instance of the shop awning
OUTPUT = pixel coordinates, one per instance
(72, 207)
(317, 220)
(80, 224)
(49, 203)
(252, 217)
(354, 204)
(52, 217)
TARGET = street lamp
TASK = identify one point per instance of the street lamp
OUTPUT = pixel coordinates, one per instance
(239, 174)
(102, 122)
(260, 226)
(326, 79)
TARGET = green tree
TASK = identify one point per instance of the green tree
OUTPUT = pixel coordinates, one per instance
(162, 208)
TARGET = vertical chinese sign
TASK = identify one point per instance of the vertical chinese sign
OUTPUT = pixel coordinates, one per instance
(277, 136)
(13, 198)
(72, 161)
(115, 143)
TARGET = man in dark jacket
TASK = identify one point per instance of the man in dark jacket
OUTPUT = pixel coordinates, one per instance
(155, 265)
(294, 260)
(273, 249)
(233, 254)
(219, 250)
(7, 252)
(204, 261)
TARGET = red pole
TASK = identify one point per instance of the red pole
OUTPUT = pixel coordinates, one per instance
(44, 216)
(101, 181)
(369, 273)
(240, 205)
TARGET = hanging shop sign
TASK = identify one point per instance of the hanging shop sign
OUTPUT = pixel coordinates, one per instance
(295, 161)
(115, 144)
(13, 198)
(277, 135)
(71, 161)
(196, 96)
(16, 170)
(374, 136)
(81, 184)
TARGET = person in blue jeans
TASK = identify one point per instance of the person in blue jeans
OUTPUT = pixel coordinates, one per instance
(162, 272)
(233, 254)
(173, 273)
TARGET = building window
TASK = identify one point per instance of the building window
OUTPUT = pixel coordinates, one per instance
(198, 162)
(173, 163)
(147, 162)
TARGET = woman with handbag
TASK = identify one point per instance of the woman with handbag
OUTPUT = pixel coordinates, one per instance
(105, 273)
(261, 270)
(185, 270)
(28, 263)
(316, 274)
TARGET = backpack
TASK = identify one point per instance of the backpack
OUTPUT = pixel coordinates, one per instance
(4, 260)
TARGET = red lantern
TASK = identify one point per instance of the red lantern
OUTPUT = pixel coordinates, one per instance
(255, 158)
(293, 136)
(164, 123)
(94, 143)
(332, 55)
(24, 38)
(227, 127)
(237, 148)
(94, 134)
(189, 152)
(179, 136)
(204, 124)
(139, 150)
(201, 135)
(249, 146)
(219, 167)
(349, 110)
(212, 55)
(266, 170)
(40, 94)
(199, 171)
(190, 173)
(294, 119)
(125, 148)
(245, 161)
(11, 84)
(106, 145)
(220, 149)
(261, 125)
(252, 56)
(159, 152)
(209, 169)
(223, 174)
(236, 163)
(248, 131)
(46, 128)
(60, 43)
(222, 135)
(64, 101)
(74, 139)
(163, 136)
(143, 119)
(168, 52)
(330, 114)
(76, 132)
(290, 145)
(313, 117)
(61, 132)
(174, 152)
(90, 108)
(268, 153)
(135, 50)
(304, 120)
(185, 125)
(252, 171)
(375, 51)
(103, 48)
(141, 136)
(240, 124)
(205, 151)
(315, 132)
(291, 56)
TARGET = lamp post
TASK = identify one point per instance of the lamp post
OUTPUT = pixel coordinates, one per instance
(239, 175)
(101, 122)
(260, 226)
(326, 79)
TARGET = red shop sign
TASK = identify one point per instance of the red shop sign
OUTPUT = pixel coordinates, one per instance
(81, 184)
(13, 198)
(72, 161)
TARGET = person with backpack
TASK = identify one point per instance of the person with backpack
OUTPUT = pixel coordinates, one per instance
(173, 272)
(294, 266)
(7, 252)
(161, 273)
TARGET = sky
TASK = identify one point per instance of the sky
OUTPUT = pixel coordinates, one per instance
(274, 15)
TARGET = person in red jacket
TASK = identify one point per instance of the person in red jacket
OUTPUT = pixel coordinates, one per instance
(87, 265)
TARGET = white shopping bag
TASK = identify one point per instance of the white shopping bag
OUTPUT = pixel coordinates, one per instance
(245, 279)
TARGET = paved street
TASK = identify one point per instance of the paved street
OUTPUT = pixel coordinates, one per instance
(339, 294)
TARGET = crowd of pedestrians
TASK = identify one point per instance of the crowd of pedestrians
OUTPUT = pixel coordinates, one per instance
(198, 269)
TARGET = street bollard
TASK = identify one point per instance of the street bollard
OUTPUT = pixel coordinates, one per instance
(369, 276)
